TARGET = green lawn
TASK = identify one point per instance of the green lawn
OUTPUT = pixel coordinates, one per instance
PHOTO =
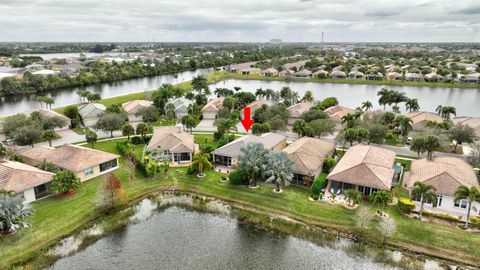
(56, 218)
(237, 76)
(164, 122)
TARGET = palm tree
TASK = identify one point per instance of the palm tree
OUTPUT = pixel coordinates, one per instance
(439, 109)
(447, 111)
(411, 105)
(431, 144)
(260, 93)
(49, 135)
(404, 124)
(224, 126)
(308, 97)
(385, 97)
(128, 130)
(269, 94)
(170, 111)
(13, 213)
(350, 120)
(251, 158)
(397, 97)
(353, 195)
(426, 193)
(367, 105)
(471, 194)
(201, 162)
(237, 88)
(381, 198)
(279, 168)
(388, 119)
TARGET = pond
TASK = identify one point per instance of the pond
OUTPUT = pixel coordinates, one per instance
(173, 236)
(10, 105)
(465, 100)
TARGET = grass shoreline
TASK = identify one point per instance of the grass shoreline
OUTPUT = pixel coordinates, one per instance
(56, 218)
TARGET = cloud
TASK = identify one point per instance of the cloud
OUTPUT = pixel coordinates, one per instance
(239, 21)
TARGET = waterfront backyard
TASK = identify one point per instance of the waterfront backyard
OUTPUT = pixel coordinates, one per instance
(55, 217)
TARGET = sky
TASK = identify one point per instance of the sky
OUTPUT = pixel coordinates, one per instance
(240, 20)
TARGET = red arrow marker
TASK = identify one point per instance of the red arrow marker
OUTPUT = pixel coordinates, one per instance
(246, 122)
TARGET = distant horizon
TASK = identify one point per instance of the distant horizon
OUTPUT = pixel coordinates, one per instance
(397, 21)
(251, 42)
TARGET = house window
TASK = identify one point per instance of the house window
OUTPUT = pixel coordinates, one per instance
(223, 161)
(108, 165)
(88, 171)
(439, 200)
(461, 204)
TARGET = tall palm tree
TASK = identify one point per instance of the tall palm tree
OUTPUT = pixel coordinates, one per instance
(367, 105)
(431, 144)
(201, 162)
(439, 109)
(308, 97)
(471, 194)
(411, 105)
(350, 120)
(260, 93)
(403, 123)
(385, 97)
(279, 168)
(447, 111)
(397, 97)
(269, 94)
(426, 193)
(224, 126)
(252, 158)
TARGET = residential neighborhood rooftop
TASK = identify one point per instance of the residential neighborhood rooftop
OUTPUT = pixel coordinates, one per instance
(69, 156)
(365, 165)
(171, 138)
(308, 154)
(446, 174)
(269, 140)
(17, 176)
(134, 106)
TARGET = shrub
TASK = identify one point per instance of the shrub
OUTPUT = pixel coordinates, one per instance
(217, 136)
(16, 158)
(224, 140)
(389, 135)
(137, 140)
(240, 177)
(406, 205)
(152, 168)
(475, 221)
(318, 185)
(328, 164)
(65, 181)
(446, 217)
(122, 148)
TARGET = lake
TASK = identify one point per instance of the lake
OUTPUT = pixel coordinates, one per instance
(351, 95)
(182, 238)
(465, 100)
(10, 105)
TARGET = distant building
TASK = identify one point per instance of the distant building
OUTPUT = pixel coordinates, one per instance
(419, 119)
(270, 72)
(181, 106)
(297, 110)
(210, 110)
(275, 41)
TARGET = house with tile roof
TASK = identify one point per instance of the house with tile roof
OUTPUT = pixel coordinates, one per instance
(270, 72)
(210, 110)
(296, 110)
(171, 143)
(225, 158)
(133, 107)
(255, 105)
(364, 167)
(446, 174)
(336, 113)
(26, 181)
(419, 119)
(307, 155)
(85, 162)
(90, 113)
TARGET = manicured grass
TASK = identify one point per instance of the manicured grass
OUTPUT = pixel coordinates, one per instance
(163, 122)
(203, 138)
(56, 218)
(238, 76)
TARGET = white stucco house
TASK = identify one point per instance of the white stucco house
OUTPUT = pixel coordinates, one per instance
(181, 106)
(446, 174)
